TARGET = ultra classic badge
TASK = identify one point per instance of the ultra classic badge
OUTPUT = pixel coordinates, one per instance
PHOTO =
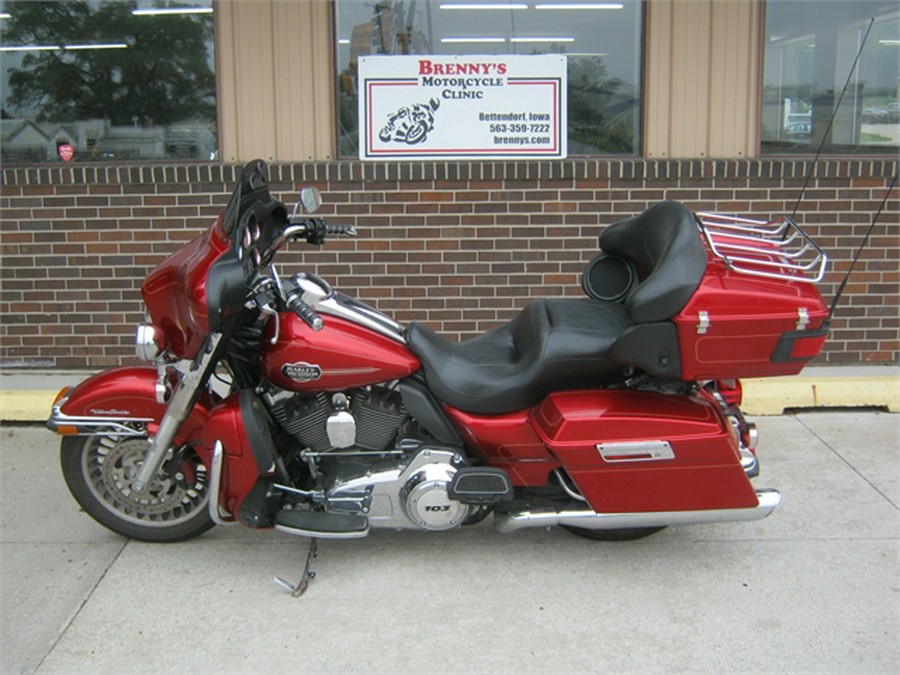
(302, 371)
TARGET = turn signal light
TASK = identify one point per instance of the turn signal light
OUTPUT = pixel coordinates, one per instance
(800, 345)
(807, 347)
(61, 395)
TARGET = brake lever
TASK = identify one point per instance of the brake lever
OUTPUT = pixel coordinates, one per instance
(262, 302)
(276, 280)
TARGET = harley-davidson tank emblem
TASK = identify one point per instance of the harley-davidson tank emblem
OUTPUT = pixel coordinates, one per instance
(302, 371)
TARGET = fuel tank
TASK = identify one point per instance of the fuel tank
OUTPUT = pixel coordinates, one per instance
(343, 355)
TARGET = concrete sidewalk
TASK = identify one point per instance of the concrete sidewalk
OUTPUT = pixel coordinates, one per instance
(814, 587)
(27, 395)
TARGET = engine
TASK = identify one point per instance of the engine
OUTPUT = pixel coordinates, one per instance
(365, 419)
(367, 470)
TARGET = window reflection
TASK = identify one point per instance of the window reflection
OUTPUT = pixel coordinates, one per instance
(107, 80)
(811, 47)
(601, 40)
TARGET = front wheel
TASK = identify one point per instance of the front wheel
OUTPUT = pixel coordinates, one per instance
(99, 471)
(417, 134)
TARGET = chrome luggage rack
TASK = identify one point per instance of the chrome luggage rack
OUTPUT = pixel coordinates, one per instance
(776, 249)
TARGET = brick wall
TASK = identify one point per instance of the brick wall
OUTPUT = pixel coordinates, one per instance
(461, 246)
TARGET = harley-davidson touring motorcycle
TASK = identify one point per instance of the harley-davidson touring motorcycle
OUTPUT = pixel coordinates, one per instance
(281, 403)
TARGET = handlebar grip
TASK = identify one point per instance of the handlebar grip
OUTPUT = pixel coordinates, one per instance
(304, 311)
(340, 230)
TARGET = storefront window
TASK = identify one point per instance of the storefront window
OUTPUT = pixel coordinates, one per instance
(107, 80)
(811, 47)
(602, 43)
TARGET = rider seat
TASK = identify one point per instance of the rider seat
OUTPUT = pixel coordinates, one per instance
(566, 343)
(516, 365)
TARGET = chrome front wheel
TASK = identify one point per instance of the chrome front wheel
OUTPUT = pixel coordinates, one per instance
(100, 471)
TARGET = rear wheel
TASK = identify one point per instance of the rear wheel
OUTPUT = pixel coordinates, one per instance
(622, 534)
(100, 470)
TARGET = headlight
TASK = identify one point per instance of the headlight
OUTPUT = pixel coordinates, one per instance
(149, 342)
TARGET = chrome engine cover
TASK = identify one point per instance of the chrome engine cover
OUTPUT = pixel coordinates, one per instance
(411, 494)
(426, 500)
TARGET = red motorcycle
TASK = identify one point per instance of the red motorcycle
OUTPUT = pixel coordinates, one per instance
(281, 403)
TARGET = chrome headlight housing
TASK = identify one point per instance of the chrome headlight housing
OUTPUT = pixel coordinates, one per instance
(149, 342)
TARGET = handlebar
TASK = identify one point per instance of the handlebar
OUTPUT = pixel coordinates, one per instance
(314, 230)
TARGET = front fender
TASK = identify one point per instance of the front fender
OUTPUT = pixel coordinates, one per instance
(116, 402)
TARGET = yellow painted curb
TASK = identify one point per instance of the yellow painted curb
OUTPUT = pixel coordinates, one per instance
(26, 405)
(772, 395)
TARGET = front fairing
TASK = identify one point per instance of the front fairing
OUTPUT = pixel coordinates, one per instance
(191, 294)
(175, 292)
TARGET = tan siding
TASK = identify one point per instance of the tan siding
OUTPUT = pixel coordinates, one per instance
(734, 79)
(276, 97)
(657, 90)
(277, 85)
(225, 77)
(702, 65)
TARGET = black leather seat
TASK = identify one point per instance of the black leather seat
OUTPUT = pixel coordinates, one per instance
(552, 344)
(664, 242)
(566, 343)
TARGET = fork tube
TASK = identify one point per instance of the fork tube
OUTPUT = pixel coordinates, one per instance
(183, 399)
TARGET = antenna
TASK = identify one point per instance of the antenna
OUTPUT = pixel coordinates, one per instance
(834, 113)
(865, 241)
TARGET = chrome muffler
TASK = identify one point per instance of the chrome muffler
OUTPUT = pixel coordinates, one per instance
(591, 520)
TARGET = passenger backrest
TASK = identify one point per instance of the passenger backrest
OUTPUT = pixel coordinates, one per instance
(665, 244)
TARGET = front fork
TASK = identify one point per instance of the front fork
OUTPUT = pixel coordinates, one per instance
(185, 394)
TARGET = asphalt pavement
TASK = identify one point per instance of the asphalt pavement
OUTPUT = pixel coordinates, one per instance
(813, 588)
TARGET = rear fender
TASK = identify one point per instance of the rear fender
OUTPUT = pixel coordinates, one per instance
(121, 402)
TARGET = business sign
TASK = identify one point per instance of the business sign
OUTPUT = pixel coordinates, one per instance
(489, 107)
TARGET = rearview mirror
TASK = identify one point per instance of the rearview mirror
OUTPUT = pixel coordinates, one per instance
(310, 199)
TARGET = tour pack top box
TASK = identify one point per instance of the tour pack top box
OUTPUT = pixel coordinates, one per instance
(744, 320)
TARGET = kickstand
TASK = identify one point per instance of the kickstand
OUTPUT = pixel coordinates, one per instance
(307, 576)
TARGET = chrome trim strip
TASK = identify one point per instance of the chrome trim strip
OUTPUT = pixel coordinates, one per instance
(573, 493)
(591, 520)
(215, 485)
(320, 296)
(94, 426)
(323, 535)
(635, 451)
(344, 307)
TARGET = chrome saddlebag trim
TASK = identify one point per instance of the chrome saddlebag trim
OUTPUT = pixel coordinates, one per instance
(591, 520)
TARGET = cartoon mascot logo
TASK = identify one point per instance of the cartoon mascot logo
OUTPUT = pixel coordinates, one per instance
(410, 124)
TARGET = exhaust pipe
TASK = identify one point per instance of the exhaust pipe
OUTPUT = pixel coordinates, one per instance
(591, 520)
